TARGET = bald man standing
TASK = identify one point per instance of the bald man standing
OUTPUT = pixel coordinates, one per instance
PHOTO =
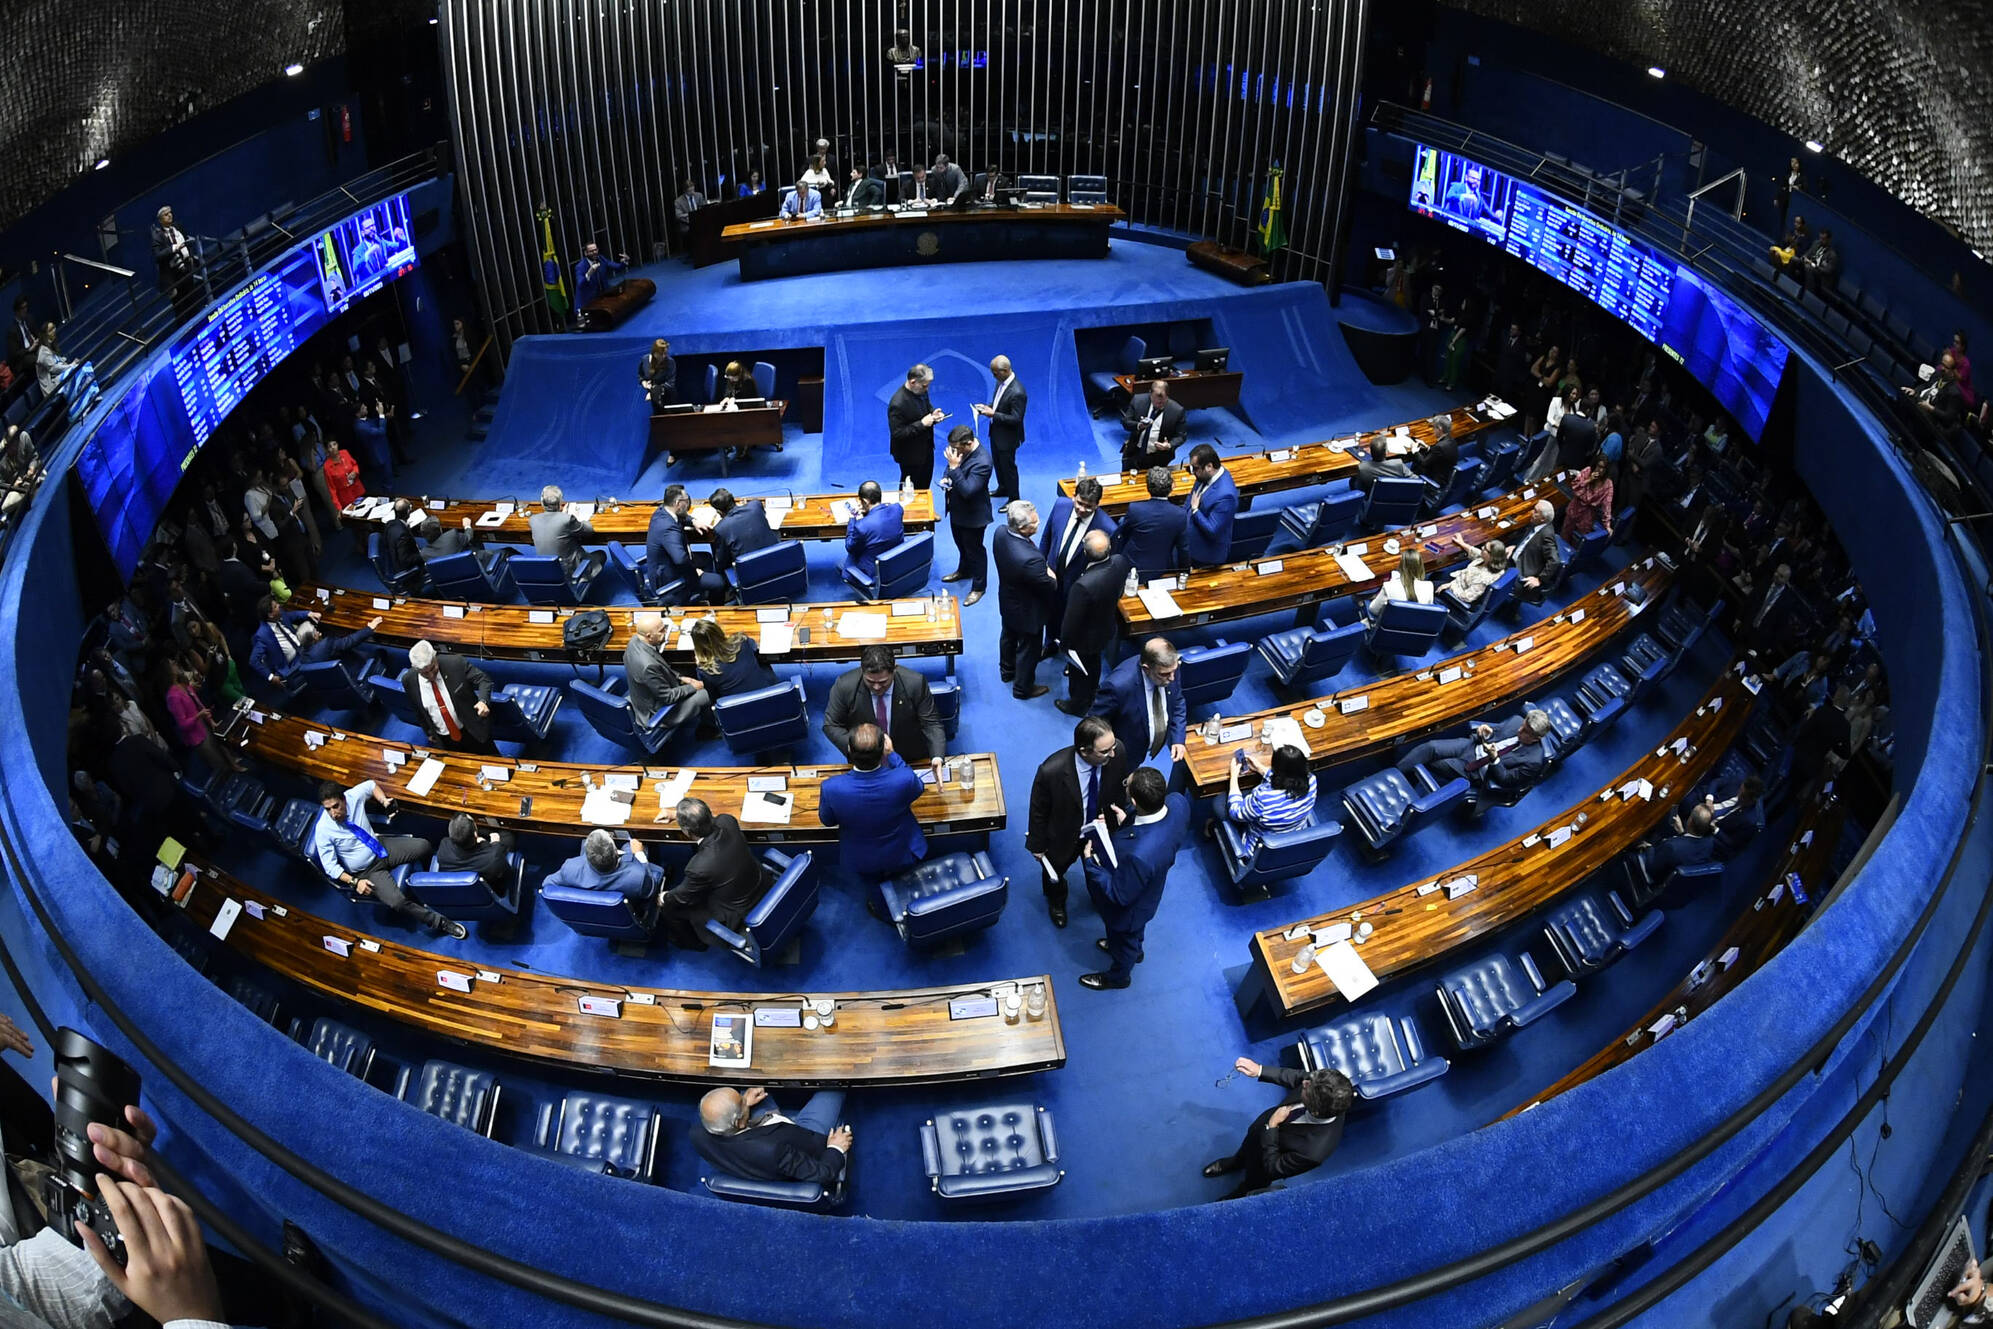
(1006, 416)
(1088, 628)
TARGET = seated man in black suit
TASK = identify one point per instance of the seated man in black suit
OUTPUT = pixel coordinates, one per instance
(1294, 1137)
(894, 698)
(1441, 457)
(1156, 429)
(1511, 755)
(864, 190)
(1737, 808)
(1151, 530)
(743, 528)
(404, 551)
(722, 881)
(768, 1146)
(668, 555)
(1378, 464)
(488, 855)
(1695, 844)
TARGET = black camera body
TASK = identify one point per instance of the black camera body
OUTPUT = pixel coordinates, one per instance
(92, 1084)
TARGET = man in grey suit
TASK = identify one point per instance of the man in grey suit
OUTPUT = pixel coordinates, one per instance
(654, 685)
(946, 181)
(1538, 559)
(558, 533)
(1379, 465)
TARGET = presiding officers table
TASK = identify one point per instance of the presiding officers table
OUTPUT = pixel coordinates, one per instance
(903, 1037)
(613, 521)
(885, 238)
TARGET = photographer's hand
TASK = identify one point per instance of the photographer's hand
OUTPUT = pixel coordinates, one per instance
(12, 1039)
(123, 1152)
(166, 1272)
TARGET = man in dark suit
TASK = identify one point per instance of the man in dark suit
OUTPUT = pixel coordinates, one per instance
(721, 882)
(1062, 539)
(1156, 429)
(910, 421)
(669, 557)
(864, 191)
(22, 343)
(915, 190)
(875, 527)
(743, 528)
(404, 551)
(1005, 411)
(1127, 891)
(1142, 698)
(1376, 464)
(967, 481)
(1073, 786)
(1293, 1137)
(1737, 814)
(1027, 596)
(872, 807)
(1822, 263)
(768, 1146)
(288, 639)
(1695, 844)
(596, 276)
(558, 533)
(1213, 507)
(1151, 531)
(241, 586)
(1511, 755)
(991, 184)
(603, 866)
(1538, 560)
(655, 687)
(1512, 366)
(1439, 459)
(896, 699)
(1088, 628)
(946, 179)
(454, 697)
(1766, 615)
(178, 259)
(489, 855)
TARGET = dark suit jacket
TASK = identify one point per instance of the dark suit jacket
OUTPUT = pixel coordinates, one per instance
(1007, 421)
(969, 492)
(1053, 532)
(467, 685)
(667, 551)
(487, 858)
(163, 257)
(915, 730)
(1678, 851)
(1577, 437)
(867, 193)
(772, 1151)
(663, 378)
(1058, 804)
(867, 537)
(1439, 462)
(630, 878)
(1207, 532)
(746, 672)
(1089, 624)
(654, 685)
(873, 811)
(723, 880)
(1126, 895)
(241, 588)
(1289, 1150)
(947, 183)
(909, 437)
(1176, 426)
(1151, 535)
(1538, 556)
(742, 531)
(1368, 472)
(399, 544)
(1026, 595)
(1740, 826)
(1124, 700)
(1520, 766)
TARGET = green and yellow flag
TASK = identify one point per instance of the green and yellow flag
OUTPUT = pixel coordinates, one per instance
(551, 276)
(1272, 231)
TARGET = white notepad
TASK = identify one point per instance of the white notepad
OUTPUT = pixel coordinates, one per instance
(776, 638)
(1353, 568)
(1346, 969)
(857, 626)
(425, 777)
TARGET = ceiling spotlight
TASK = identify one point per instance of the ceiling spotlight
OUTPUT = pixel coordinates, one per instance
(1655, 71)
(102, 162)
(294, 70)
(1815, 145)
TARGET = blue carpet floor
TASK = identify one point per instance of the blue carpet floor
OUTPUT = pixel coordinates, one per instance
(1155, 1056)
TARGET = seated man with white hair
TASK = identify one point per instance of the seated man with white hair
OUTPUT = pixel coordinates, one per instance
(1511, 755)
(655, 687)
(558, 533)
(768, 1145)
(454, 697)
(602, 866)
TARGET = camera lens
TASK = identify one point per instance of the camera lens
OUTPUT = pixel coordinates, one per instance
(91, 1084)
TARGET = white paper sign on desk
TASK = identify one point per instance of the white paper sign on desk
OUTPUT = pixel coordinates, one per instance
(1357, 549)
(494, 774)
(1352, 567)
(1486, 514)
(771, 615)
(225, 919)
(1284, 731)
(1524, 643)
(539, 615)
(777, 638)
(503, 509)
(1351, 705)
(862, 626)
(425, 777)
(1271, 566)
(453, 611)
(324, 595)
(456, 982)
(671, 790)
(1346, 969)
(581, 511)
(1159, 602)
(909, 608)
(1450, 674)
(380, 603)
(766, 784)
(491, 519)
(1558, 836)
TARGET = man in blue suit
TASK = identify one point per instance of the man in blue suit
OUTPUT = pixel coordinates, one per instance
(743, 529)
(1026, 594)
(1062, 540)
(872, 807)
(1127, 891)
(875, 527)
(1695, 844)
(1151, 531)
(668, 554)
(967, 481)
(595, 275)
(599, 867)
(1142, 699)
(287, 640)
(804, 204)
(1214, 505)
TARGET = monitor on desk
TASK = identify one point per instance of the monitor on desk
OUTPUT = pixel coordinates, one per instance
(677, 408)
(750, 403)
(1213, 359)
(1154, 366)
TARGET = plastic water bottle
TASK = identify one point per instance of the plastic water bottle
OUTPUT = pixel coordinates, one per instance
(1082, 468)
(1133, 583)
(1303, 958)
(933, 607)
(906, 490)
(1211, 728)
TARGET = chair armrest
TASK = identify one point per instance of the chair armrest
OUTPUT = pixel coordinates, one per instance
(1551, 998)
(1642, 930)
(955, 895)
(599, 1166)
(1411, 1077)
(401, 1079)
(930, 1149)
(795, 1193)
(1048, 1136)
(1449, 793)
(733, 940)
(978, 1185)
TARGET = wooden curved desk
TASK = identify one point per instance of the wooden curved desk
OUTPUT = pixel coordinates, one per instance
(523, 632)
(1416, 924)
(939, 235)
(903, 1037)
(1408, 705)
(557, 791)
(1303, 577)
(1275, 469)
(809, 517)
(1774, 917)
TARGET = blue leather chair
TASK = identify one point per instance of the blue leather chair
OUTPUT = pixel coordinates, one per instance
(524, 712)
(1501, 459)
(903, 570)
(1464, 484)
(607, 709)
(712, 383)
(387, 690)
(617, 1133)
(1462, 619)
(1380, 1056)
(1086, 189)
(256, 1000)
(406, 581)
(1394, 501)
(1039, 188)
(471, 575)
(1300, 656)
(1384, 806)
(779, 572)
(338, 685)
(339, 1044)
(1603, 684)
(991, 1153)
(1252, 533)
(1312, 525)
(807, 1195)
(1648, 672)
(607, 914)
(764, 719)
(1405, 627)
(195, 777)
(944, 897)
(1678, 885)
(545, 580)
(455, 1093)
(1568, 729)
(293, 826)
(947, 695)
(1590, 552)
(1585, 939)
(1682, 624)
(764, 378)
(1488, 999)
(787, 901)
(1532, 451)
(464, 896)
(1281, 856)
(1211, 673)
(1102, 380)
(242, 799)
(628, 565)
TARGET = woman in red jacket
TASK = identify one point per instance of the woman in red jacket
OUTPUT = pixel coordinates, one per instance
(342, 479)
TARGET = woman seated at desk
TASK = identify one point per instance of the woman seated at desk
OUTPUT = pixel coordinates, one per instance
(1407, 583)
(1484, 568)
(728, 666)
(1283, 800)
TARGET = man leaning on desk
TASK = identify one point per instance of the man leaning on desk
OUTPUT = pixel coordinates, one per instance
(895, 698)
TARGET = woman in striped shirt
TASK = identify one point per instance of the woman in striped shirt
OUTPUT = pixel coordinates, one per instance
(1283, 800)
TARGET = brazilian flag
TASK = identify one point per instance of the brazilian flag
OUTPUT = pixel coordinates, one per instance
(551, 276)
(1272, 231)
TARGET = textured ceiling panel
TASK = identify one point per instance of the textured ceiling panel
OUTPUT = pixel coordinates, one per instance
(82, 80)
(1898, 90)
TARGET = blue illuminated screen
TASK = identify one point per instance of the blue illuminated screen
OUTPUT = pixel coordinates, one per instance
(365, 252)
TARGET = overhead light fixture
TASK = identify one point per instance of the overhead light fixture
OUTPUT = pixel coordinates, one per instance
(294, 70)
(1655, 71)
(102, 162)
(1815, 145)
(432, 22)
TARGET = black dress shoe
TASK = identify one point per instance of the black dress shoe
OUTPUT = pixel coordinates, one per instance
(1066, 704)
(972, 598)
(1219, 1167)
(956, 576)
(1101, 942)
(1101, 982)
(1032, 695)
(1058, 912)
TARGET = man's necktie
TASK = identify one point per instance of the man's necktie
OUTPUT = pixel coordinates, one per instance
(1158, 724)
(879, 709)
(443, 709)
(288, 642)
(1092, 792)
(1075, 529)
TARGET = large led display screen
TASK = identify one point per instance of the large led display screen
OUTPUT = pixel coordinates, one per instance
(364, 252)
(1728, 350)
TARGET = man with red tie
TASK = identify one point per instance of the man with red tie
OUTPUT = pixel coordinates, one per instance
(454, 697)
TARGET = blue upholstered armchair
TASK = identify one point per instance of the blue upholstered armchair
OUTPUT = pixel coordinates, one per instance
(464, 896)
(1210, 673)
(779, 572)
(1487, 999)
(903, 570)
(338, 685)
(545, 580)
(1394, 501)
(994, 1152)
(473, 575)
(455, 1093)
(339, 1044)
(764, 719)
(944, 897)
(787, 902)
(1384, 806)
(1380, 1056)
(1312, 525)
(1404, 627)
(1281, 855)
(614, 1135)
(1585, 938)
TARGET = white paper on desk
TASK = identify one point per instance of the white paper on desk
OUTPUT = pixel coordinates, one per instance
(505, 509)
(313, 739)
(1159, 602)
(581, 511)
(1662, 1027)
(1558, 836)
(1806, 839)
(1334, 933)
(1283, 454)
(1715, 704)
(394, 757)
(1450, 674)
(453, 611)
(1577, 616)
(1352, 567)
(771, 615)
(1425, 532)
(1284, 731)
(766, 784)
(909, 608)
(252, 908)
(1272, 565)
(685, 640)
(324, 595)
(627, 782)
(225, 919)
(862, 626)
(493, 518)
(844, 510)
(1487, 514)
(777, 638)
(1346, 970)
(1358, 550)
(380, 603)
(770, 809)
(456, 982)
(495, 774)
(1523, 644)
(671, 790)
(1680, 745)
(539, 615)
(425, 777)
(1728, 957)
(774, 515)
(1645, 790)
(601, 807)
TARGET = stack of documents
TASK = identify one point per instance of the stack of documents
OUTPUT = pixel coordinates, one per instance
(1159, 602)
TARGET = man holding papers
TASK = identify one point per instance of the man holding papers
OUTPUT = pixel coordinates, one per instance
(1127, 869)
(1294, 1137)
(1073, 786)
(1511, 755)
